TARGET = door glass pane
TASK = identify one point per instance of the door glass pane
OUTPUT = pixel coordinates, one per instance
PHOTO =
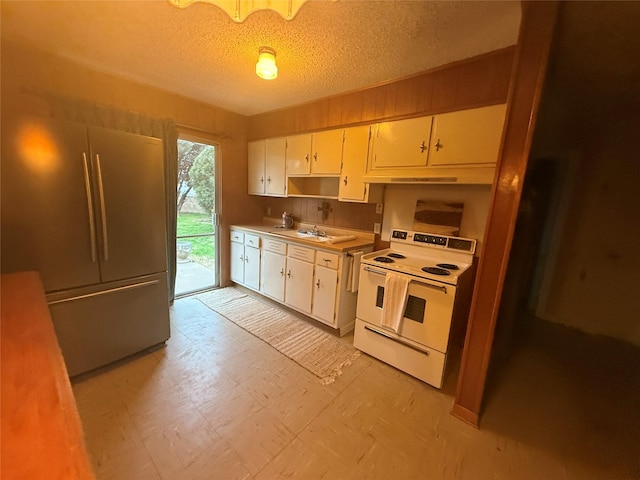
(196, 234)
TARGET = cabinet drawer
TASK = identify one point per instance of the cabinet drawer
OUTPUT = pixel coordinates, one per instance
(301, 253)
(329, 260)
(251, 240)
(237, 236)
(274, 246)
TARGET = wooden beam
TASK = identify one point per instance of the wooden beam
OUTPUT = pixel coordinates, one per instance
(534, 44)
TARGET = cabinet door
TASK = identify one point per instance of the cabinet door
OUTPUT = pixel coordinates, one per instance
(273, 271)
(327, 152)
(47, 203)
(275, 166)
(256, 167)
(298, 284)
(299, 154)
(131, 204)
(354, 164)
(237, 262)
(467, 137)
(324, 294)
(252, 267)
(403, 143)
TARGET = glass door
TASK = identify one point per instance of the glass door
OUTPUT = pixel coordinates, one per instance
(196, 239)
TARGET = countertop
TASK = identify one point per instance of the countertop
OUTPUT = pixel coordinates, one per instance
(363, 240)
(41, 430)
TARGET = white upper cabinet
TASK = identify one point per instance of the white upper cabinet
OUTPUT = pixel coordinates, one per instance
(256, 166)
(275, 181)
(266, 165)
(401, 143)
(327, 152)
(315, 154)
(354, 164)
(467, 137)
(299, 154)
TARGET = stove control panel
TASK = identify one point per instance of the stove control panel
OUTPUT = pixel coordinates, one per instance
(465, 245)
(431, 239)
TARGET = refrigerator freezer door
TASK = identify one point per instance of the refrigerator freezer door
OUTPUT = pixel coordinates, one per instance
(129, 198)
(98, 326)
(46, 202)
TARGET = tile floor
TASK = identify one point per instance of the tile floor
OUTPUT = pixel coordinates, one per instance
(217, 403)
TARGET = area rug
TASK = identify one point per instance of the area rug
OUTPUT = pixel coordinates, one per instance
(321, 353)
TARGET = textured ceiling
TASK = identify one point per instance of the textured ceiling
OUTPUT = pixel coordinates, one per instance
(330, 47)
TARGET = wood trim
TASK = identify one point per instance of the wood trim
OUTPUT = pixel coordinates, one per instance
(536, 32)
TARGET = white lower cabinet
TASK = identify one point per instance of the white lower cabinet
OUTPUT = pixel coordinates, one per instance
(310, 280)
(274, 263)
(298, 292)
(325, 284)
(245, 259)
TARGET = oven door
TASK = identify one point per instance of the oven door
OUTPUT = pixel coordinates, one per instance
(427, 316)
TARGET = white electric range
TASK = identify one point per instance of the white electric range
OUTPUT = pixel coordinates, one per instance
(439, 270)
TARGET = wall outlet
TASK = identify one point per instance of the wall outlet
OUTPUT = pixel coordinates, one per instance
(379, 207)
(376, 228)
(268, 211)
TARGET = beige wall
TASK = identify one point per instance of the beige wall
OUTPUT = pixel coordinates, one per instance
(30, 77)
(593, 285)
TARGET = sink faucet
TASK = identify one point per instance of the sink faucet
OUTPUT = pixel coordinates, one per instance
(318, 233)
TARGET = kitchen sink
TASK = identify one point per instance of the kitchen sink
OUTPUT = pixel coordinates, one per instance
(305, 235)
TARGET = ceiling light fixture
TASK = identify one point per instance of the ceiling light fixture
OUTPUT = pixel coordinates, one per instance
(239, 10)
(266, 66)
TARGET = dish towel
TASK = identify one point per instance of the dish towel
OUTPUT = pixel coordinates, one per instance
(395, 300)
(354, 274)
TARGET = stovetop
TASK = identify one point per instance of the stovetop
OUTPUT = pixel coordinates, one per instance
(436, 257)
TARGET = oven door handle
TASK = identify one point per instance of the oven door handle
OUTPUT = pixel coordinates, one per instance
(397, 340)
(442, 288)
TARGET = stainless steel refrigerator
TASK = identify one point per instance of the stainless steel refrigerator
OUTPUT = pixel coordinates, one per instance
(85, 207)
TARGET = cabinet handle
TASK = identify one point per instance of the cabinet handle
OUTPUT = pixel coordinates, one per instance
(251, 242)
(269, 179)
(315, 156)
(261, 179)
(345, 180)
(306, 157)
(246, 259)
(289, 274)
(438, 145)
(423, 147)
(282, 272)
(318, 283)
(326, 260)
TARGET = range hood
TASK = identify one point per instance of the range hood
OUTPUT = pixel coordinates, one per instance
(463, 176)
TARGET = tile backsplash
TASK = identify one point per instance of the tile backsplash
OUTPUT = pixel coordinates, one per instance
(358, 216)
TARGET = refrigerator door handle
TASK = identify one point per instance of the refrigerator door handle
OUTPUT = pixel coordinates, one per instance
(92, 220)
(103, 213)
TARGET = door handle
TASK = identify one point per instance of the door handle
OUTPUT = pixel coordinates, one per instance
(92, 220)
(103, 212)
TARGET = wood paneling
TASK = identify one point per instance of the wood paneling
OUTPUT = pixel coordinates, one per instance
(534, 44)
(475, 82)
